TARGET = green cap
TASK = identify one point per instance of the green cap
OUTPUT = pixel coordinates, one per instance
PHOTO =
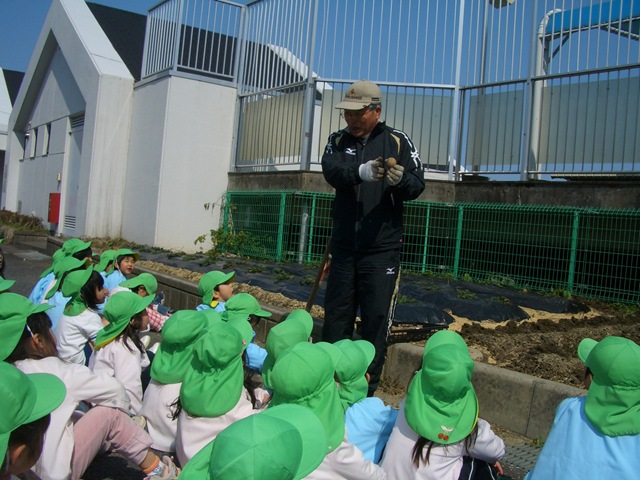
(351, 368)
(245, 303)
(209, 281)
(214, 380)
(613, 399)
(14, 311)
(284, 442)
(119, 310)
(75, 280)
(175, 352)
(303, 375)
(56, 257)
(25, 398)
(127, 252)
(212, 316)
(62, 266)
(145, 280)
(6, 284)
(294, 329)
(73, 246)
(106, 257)
(441, 403)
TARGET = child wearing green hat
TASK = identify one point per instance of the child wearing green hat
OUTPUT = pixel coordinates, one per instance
(74, 247)
(247, 305)
(213, 394)
(438, 433)
(294, 329)
(168, 370)
(145, 285)
(215, 288)
(80, 323)
(122, 268)
(286, 442)
(71, 443)
(118, 352)
(26, 402)
(304, 375)
(598, 436)
(368, 420)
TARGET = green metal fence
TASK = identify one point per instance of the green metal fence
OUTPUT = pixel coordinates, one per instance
(582, 252)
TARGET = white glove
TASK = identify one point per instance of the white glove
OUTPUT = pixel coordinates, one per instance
(372, 171)
(394, 175)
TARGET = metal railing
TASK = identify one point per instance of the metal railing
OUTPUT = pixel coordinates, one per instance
(505, 88)
(574, 251)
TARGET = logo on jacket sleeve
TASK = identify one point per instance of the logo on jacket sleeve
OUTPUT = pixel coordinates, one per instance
(350, 151)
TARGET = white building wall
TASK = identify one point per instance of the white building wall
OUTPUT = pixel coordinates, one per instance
(186, 151)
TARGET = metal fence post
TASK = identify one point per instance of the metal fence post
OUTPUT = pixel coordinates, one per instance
(312, 223)
(309, 96)
(425, 244)
(456, 260)
(456, 117)
(574, 249)
(283, 204)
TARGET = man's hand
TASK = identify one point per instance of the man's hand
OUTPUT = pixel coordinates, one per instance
(394, 174)
(372, 171)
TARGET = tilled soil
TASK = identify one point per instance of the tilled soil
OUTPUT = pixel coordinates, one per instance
(543, 345)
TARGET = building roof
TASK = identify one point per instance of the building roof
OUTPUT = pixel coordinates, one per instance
(13, 79)
(125, 30)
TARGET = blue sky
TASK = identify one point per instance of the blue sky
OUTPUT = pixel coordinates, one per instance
(21, 21)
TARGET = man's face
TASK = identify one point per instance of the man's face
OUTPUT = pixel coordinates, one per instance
(362, 122)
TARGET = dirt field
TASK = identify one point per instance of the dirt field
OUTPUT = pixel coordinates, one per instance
(543, 345)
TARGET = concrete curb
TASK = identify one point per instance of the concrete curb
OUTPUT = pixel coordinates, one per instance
(521, 403)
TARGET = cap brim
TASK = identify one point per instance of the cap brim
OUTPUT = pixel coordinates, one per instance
(50, 392)
(584, 349)
(352, 105)
(4, 442)
(6, 284)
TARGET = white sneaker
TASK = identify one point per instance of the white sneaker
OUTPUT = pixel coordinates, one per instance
(154, 347)
(169, 472)
(146, 340)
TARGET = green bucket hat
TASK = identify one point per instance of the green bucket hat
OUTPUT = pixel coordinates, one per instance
(73, 246)
(14, 311)
(286, 442)
(294, 329)
(175, 352)
(127, 252)
(351, 368)
(209, 281)
(303, 375)
(441, 403)
(75, 280)
(25, 398)
(145, 280)
(246, 304)
(106, 257)
(119, 310)
(211, 316)
(6, 284)
(613, 399)
(56, 257)
(214, 380)
(62, 266)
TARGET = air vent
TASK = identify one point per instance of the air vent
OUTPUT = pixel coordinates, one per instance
(70, 222)
(77, 122)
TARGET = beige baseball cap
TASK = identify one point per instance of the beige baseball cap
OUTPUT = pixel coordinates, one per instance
(361, 94)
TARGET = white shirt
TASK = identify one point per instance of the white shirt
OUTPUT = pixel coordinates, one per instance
(194, 433)
(82, 384)
(445, 462)
(347, 462)
(72, 333)
(125, 364)
(156, 408)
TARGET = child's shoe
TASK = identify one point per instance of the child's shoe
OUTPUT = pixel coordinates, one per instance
(166, 470)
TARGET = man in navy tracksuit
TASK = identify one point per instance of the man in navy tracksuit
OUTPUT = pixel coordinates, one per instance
(367, 219)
